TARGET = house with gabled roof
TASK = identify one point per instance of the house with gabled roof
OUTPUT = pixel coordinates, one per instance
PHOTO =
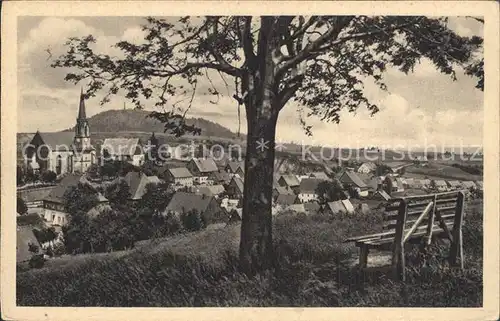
(454, 185)
(350, 178)
(235, 168)
(469, 185)
(307, 189)
(367, 167)
(137, 182)
(312, 208)
(206, 206)
(381, 195)
(289, 180)
(201, 168)
(124, 149)
(286, 199)
(220, 177)
(338, 207)
(179, 176)
(440, 185)
(235, 188)
(54, 212)
(209, 190)
(319, 175)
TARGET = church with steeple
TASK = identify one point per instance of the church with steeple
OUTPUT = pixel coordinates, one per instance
(63, 152)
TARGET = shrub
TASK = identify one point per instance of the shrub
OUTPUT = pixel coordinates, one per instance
(36, 262)
(48, 176)
(21, 206)
(312, 268)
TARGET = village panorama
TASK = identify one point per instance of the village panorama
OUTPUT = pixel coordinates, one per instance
(131, 206)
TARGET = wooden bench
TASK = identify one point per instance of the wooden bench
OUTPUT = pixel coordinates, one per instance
(417, 219)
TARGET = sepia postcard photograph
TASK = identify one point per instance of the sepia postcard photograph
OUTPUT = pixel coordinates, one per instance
(294, 156)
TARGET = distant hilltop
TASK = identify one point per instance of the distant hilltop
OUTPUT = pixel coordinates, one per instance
(130, 120)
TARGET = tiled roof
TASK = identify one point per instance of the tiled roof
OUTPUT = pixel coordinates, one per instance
(35, 194)
(311, 207)
(384, 195)
(182, 201)
(239, 183)
(350, 177)
(290, 180)
(468, 184)
(57, 194)
(205, 165)
(343, 206)
(122, 146)
(299, 208)
(233, 166)
(440, 183)
(180, 172)
(59, 141)
(286, 199)
(209, 190)
(308, 185)
(220, 176)
(320, 175)
(137, 183)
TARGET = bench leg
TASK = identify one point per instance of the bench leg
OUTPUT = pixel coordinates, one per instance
(457, 250)
(398, 263)
(363, 256)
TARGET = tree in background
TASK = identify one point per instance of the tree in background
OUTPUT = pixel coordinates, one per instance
(330, 191)
(192, 220)
(93, 171)
(156, 197)
(388, 185)
(20, 175)
(78, 200)
(49, 176)
(117, 192)
(382, 170)
(321, 62)
(22, 208)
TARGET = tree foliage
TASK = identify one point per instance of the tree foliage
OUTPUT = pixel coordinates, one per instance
(156, 197)
(117, 192)
(330, 191)
(22, 208)
(49, 176)
(79, 199)
(321, 62)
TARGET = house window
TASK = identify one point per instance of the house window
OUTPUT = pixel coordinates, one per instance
(58, 164)
(70, 163)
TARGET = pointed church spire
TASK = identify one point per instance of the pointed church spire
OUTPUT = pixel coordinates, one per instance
(81, 111)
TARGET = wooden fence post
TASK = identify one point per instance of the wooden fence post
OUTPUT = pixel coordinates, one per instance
(456, 249)
(430, 223)
(398, 253)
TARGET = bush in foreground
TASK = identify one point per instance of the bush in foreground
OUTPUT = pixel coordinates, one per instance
(311, 269)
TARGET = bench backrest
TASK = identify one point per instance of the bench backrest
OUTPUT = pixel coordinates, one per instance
(443, 209)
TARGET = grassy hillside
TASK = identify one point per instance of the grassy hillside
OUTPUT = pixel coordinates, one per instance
(313, 268)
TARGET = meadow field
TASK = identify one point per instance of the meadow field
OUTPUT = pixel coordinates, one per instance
(313, 267)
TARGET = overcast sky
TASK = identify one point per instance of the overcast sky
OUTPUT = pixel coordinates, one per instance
(424, 107)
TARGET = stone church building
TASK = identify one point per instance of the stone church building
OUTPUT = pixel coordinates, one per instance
(63, 152)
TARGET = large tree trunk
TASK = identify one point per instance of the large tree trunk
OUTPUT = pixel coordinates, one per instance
(256, 230)
(258, 86)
